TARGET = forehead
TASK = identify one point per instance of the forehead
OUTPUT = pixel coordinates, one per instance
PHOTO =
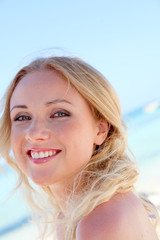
(40, 87)
(44, 83)
(46, 78)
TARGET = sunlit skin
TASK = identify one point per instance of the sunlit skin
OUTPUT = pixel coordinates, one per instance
(53, 135)
(47, 115)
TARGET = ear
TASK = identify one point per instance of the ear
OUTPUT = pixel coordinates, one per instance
(102, 131)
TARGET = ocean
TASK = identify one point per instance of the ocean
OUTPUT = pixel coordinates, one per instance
(144, 141)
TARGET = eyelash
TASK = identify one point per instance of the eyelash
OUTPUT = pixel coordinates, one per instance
(21, 118)
(61, 114)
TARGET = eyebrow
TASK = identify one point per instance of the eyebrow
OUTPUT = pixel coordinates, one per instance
(57, 101)
(18, 106)
(46, 104)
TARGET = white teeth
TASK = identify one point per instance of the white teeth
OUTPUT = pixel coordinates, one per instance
(42, 154)
(50, 153)
(36, 155)
(46, 154)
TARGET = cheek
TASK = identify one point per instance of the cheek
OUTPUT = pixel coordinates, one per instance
(17, 149)
(13, 139)
(79, 142)
(16, 138)
(17, 133)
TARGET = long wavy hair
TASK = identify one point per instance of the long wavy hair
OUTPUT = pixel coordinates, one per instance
(110, 169)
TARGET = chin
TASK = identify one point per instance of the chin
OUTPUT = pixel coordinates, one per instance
(41, 181)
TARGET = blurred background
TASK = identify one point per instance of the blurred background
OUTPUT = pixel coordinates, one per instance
(119, 38)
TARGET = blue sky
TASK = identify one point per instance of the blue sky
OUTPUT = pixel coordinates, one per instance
(119, 38)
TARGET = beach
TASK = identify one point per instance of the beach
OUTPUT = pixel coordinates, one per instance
(23, 233)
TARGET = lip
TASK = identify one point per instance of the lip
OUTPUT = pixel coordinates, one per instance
(42, 160)
(42, 149)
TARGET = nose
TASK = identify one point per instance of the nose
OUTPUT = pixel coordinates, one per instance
(38, 131)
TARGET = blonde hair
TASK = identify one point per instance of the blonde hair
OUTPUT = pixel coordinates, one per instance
(109, 171)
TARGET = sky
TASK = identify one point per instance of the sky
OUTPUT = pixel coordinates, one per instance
(119, 38)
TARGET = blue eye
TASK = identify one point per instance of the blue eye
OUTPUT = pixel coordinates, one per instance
(22, 118)
(60, 114)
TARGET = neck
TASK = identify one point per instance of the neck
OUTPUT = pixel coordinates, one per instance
(63, 191)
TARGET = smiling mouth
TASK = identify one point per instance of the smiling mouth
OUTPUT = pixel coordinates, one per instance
(42, 156)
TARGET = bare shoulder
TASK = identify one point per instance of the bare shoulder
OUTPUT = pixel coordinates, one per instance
(123, 217)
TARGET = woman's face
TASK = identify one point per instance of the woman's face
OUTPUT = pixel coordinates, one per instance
(53, 133)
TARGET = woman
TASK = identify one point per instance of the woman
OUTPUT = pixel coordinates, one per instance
(62, 122)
